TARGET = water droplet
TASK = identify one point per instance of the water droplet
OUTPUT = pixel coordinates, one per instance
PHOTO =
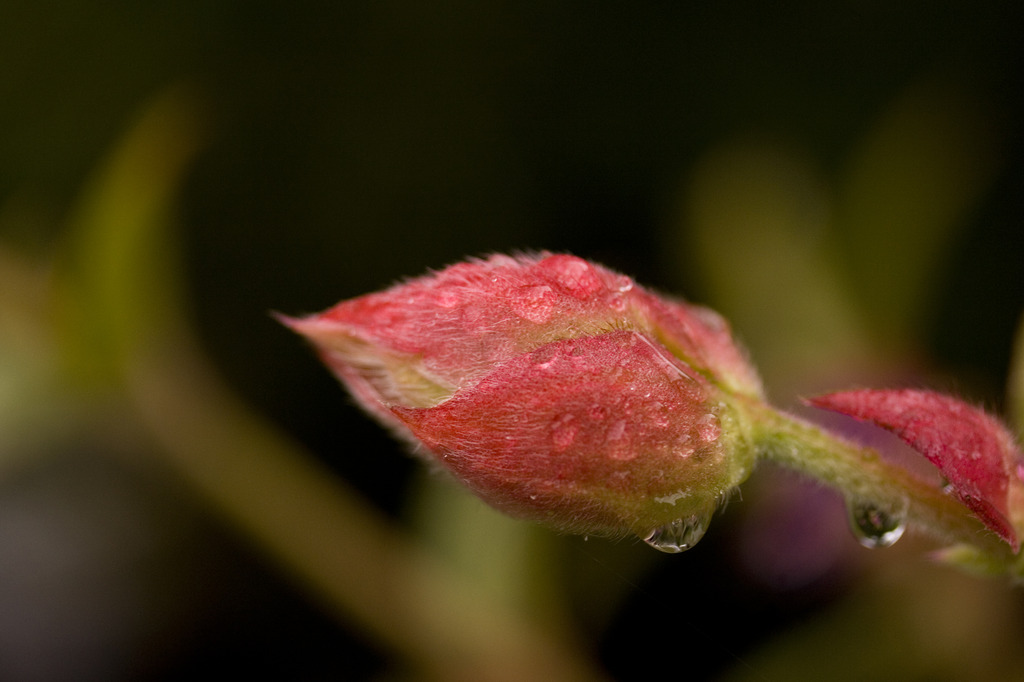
(672, 498)
(563, 431)
(709, 428)
(535, 302)
(573, 274)
(619, 446)
(660, 414)
(623, 284)
(679, 535)
(545, 357)
(875, 526)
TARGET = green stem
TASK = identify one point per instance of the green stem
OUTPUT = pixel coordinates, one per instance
(861, 474)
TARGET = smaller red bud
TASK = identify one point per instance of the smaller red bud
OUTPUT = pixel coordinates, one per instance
(973, 450)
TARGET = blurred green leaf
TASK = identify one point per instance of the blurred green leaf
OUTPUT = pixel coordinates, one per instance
(757, 218)
(910, 184)
(510, 561)
(28, 378)
(116, 280)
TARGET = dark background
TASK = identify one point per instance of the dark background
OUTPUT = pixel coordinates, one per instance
(349, 145)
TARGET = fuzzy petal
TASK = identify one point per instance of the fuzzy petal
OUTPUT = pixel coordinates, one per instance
(598, 434)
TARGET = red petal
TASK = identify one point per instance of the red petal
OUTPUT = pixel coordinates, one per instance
(972, 449)
(583, 433)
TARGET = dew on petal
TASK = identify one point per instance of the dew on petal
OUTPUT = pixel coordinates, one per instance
(545, 358)
(673, 498)
(563, 431)
(684, 448)
(535, 303)
(575, 275)
(709, 428)
(660, 415)
(619, 445)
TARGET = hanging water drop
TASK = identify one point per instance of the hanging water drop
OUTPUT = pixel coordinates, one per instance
(679, 535)
(875, 526)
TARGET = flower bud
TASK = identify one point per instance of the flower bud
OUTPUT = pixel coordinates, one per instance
(976, 453)
(555, 389)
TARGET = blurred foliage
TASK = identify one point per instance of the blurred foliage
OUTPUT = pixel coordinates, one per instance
(183, 490)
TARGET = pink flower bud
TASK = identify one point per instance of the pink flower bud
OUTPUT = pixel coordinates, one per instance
(554, 388)
(974, 452)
